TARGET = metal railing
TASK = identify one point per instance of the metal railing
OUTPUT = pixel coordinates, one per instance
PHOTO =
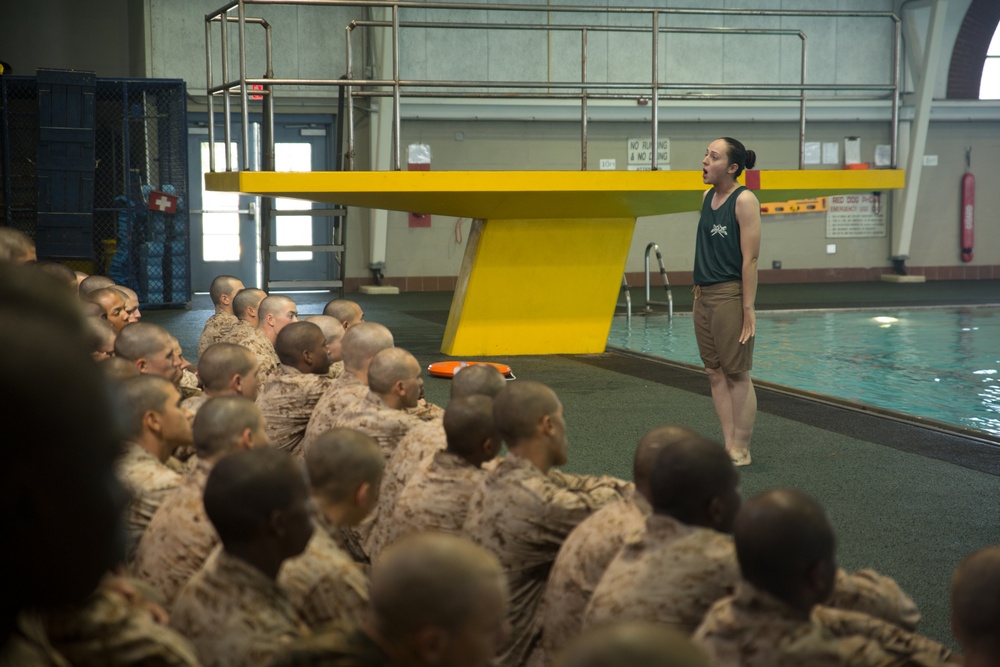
(654, 89)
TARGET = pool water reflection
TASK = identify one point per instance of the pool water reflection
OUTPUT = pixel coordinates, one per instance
(940, 363)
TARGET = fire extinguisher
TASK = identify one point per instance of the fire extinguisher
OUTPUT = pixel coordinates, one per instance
(968, 208)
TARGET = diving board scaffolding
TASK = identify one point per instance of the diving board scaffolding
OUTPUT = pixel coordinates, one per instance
(535, 233)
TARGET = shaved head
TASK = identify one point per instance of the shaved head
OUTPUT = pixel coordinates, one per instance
(248, 298)
(347, 312)
(113, 301)
(390, 366)
(246, 488)
(62, 273)
(59, 495)
(362, 342)
(975, 603)
(138, 395)
(296, 338)
(783, 541)
(478, 379)
(468, 423)
(692, 478)
(430, 580)
(221, 422)
(647, 450)
(140, 340)
(16, 247)
(274, 305)
(633, 644)
(342, 459)
(223, 285)
(518, 409)
(92, 283)
(331, 328)
(220, 362)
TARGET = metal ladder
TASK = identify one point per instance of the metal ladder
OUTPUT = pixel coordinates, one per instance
(669, 303)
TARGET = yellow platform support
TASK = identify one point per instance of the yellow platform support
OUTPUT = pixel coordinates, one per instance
(538, 234)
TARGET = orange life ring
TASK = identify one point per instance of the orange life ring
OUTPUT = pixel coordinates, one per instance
(447, 369)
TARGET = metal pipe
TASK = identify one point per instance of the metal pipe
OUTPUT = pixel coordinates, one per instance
(349, 94)
(563, 27)
(578, 8)
(226, 103)
(244, 99)
(802, 106)
(654, 162)
(410, 83)
(666, 283)
(209, 95)
(895, 92)
(628, 301)
(583, 100)
(396, 125)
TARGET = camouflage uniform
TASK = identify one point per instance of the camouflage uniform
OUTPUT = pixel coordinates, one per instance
(670, 573)
(372, 416)
(216, 330)
(234, 615)
(179, 538)
(388, 426)
(752, 628)
(435, 499)
(257, 342)
(336, 648)
(287, 402)
(344, 392)
(325, 585)
(240, 330)
(112, 629)
(877, 595)
(582, 560)
(29, 645)
(193, 404)
(523, 515)
(419, 442)
(336, 370)
(149, 481)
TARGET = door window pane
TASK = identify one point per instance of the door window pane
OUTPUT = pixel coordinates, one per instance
(293, 229)
(220, 221)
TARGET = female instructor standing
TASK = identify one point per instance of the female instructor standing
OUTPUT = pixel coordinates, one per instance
(725, 285)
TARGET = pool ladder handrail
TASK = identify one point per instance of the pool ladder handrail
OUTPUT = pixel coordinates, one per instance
(666, 283)
(669, 303)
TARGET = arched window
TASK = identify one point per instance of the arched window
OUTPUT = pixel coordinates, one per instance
(989, 88)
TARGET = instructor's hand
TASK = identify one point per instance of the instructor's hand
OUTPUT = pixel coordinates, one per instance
(749, 325)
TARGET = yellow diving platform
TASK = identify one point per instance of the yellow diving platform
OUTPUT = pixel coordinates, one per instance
(538, 233)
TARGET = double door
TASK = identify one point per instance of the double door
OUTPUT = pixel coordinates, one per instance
(226, 226)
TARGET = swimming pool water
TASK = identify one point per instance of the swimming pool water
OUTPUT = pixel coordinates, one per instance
(941, 363)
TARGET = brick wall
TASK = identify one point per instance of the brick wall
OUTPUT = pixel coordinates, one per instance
(966, 70)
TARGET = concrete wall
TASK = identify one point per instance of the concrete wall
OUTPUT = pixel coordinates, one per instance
(165, 38)
(65, 34)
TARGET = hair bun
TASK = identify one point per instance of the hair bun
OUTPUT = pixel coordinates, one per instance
(751, 159)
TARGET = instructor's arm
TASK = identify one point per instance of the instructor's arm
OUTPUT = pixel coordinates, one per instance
(748, 218)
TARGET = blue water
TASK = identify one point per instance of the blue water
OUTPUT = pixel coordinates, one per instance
(942, 364)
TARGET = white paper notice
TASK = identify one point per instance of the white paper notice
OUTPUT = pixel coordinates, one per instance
(855, 216)
(852, 150)
(831, 153)
(811, 152)
(883, 155)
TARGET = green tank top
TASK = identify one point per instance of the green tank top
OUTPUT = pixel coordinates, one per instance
(718, 257)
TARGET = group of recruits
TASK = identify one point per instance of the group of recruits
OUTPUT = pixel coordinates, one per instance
(321, 513)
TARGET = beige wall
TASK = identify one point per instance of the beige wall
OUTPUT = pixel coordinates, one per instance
(798, 241)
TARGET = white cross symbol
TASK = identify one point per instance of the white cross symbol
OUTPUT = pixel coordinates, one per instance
(162, 203)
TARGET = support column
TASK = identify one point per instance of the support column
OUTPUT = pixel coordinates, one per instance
(538, 286)
(905, 215)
